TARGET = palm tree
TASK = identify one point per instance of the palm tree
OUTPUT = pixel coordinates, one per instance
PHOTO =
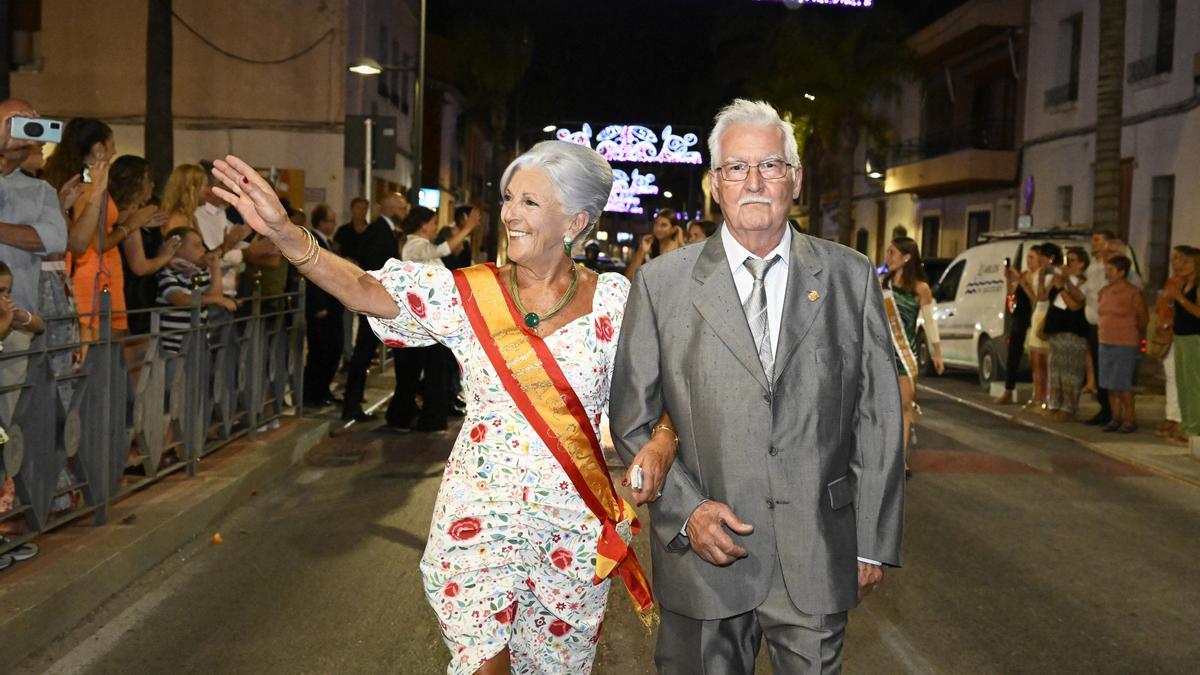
(829, 74)
(1106, 203)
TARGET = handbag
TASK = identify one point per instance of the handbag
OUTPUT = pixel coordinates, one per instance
(1161, 330)
(1158, 339)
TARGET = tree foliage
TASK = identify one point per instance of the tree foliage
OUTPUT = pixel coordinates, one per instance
(829, 71)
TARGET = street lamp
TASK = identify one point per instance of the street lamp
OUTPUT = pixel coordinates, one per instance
(549, 128)
(668, 194)
(369, 67)
(366, 66)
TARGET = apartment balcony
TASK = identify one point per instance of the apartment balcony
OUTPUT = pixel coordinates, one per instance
(953, 160)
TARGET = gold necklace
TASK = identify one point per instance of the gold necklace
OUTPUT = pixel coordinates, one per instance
(533, 319)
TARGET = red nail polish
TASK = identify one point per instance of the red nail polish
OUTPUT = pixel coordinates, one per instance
(245, 180)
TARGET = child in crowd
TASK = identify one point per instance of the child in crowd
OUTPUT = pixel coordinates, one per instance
(191, 268)
(25, 324)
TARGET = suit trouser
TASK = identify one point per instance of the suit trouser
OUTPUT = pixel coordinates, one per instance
(797, 642)
(424, 370)
(1094, 350)
(324, 352)
(365, 346)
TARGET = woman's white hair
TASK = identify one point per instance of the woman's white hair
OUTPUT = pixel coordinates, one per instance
(756, 113)
(582, 179)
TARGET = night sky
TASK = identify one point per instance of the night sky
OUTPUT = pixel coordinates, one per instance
(647, 61)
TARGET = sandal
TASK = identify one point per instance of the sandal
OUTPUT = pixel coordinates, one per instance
(1128, 428)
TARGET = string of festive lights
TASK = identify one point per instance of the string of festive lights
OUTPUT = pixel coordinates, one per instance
(634, 143)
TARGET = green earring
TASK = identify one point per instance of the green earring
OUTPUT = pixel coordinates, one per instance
(567, 244)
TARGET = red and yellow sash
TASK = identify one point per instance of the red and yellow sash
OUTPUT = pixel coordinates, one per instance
(542, 393)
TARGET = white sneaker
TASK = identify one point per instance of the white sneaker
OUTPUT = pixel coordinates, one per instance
(20, 553)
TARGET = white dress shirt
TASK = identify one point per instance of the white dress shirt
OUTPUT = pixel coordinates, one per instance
(421, 250)
(213, 224)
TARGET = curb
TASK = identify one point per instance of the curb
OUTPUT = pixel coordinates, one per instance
(1094, 447)
(90, 565)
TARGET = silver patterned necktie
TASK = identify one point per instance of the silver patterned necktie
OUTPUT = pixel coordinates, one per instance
(756, 312)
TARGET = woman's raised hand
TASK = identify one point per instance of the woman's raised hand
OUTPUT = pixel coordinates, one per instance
(252, 195)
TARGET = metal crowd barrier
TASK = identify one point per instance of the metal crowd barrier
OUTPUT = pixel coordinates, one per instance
(232, 375)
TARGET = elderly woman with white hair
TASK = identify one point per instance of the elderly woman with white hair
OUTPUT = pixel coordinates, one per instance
(528, 527)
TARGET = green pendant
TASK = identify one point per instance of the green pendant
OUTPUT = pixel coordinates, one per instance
(532, 320)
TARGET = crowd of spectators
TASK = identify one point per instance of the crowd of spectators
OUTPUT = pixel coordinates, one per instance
(1083, 318)
(83, 224)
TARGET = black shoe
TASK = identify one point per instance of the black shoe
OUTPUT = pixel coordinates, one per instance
(334, 399)
(359, 416)
(1099, 420)
(315, 403)
(1111, 427)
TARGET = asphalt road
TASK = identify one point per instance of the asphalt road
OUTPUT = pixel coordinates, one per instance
(1023, 553)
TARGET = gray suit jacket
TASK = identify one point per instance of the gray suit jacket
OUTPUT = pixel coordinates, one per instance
(813, 461)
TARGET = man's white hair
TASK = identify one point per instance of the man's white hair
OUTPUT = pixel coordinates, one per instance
(756, 113)
(582, 179)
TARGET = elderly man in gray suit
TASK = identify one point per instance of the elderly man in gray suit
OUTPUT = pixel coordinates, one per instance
(770, 351)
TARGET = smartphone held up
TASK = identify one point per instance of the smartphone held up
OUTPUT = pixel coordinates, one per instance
(36, 129)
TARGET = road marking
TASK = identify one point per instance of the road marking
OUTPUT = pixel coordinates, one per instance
(112, 632)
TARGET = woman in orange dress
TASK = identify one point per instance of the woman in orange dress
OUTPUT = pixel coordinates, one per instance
(94, 263)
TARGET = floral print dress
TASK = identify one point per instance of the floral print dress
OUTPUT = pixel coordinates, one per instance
(511, 554)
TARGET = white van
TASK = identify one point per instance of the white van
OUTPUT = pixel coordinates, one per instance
(970, 300)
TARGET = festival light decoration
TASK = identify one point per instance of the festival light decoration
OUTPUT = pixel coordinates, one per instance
(863, 4)
(627, 191)
(635, 143)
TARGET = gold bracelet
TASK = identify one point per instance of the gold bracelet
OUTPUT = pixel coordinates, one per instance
(667, 429)
(311, 254)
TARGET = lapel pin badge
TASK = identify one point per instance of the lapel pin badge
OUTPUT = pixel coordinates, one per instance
(813, 296)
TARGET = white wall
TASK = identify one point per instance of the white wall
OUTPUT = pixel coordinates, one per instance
(1162, 146)
(318, 154)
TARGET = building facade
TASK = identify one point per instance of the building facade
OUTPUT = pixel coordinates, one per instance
(1160, 139)
(280, 103)
(950, 173)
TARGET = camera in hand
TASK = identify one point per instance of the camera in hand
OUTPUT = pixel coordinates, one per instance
(36, 129)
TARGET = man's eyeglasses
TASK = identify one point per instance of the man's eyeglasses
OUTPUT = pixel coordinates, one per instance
(769, 169)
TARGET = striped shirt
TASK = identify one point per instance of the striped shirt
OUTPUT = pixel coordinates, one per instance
(177, 318)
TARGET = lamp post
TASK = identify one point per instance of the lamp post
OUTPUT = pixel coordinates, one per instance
(369, 67)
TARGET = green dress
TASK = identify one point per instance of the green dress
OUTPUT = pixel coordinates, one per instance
(908, 305)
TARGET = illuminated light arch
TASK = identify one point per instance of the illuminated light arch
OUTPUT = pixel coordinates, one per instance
(627, 191)
(636, 143)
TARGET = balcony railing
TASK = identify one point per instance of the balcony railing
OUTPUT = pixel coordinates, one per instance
(1062, 94)
(998, 136)
(1159, 62)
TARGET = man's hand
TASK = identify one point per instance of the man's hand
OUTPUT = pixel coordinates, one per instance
(869, 578)
(707, 536)
(646, 244)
